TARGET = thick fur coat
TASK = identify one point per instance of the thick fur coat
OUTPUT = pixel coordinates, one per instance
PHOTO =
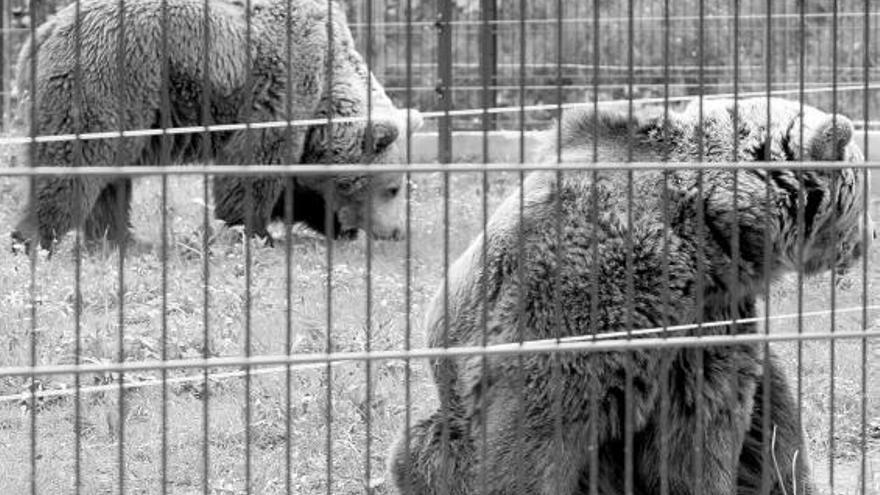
(586, 255)
(103, 70)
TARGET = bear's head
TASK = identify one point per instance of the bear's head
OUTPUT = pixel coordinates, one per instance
(373, 202)
(828, 209)
(815, 218)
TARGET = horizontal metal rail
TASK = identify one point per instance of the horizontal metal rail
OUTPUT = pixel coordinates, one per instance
(622, 335)
(528, 347)
(363, 168)
(620, 19)
(469, 112)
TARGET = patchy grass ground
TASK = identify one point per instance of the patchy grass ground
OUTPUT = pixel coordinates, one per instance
(358, 421)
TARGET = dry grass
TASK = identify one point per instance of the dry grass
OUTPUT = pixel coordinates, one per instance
(350, 408)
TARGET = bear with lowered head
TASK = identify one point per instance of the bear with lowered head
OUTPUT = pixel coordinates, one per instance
(189, 63)
(599, 252)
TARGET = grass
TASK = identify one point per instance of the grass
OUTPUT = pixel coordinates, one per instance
(338, 408)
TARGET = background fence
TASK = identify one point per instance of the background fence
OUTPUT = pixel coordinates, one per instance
(546, 51)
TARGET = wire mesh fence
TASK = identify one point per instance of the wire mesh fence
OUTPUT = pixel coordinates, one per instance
(257, 247)
(523, 61)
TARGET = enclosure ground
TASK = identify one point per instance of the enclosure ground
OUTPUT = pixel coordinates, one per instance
(350, 407)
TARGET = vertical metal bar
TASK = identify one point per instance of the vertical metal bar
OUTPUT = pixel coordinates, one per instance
(6, 48)
(120, 293)
(559, 323)
(735, 245)
(629, 362)
(489, 57)
(699, 446)
(559, 95)
(165, 154)
(488, 68)
(801, 220)
(522, 91)
(444, 80)
(328, 228)
(4, 61)
(77, 255)
(667, 277)
(832, 385)
(866, 229)
(288, 241)
(444, 55)
(766, 469)
(32, 282)
(207, 152)
(407, 298)
(783, 70)
(368, 282)
(248, 245)
(379, 63)
(520, 248)
(801, 213)
(593, 446)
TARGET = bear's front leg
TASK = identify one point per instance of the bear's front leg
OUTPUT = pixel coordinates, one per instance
(528, 449)
(708, 421)
(434, 456)
(56, 206)
(787, 469)
(247, 201)
(110, 218)
(541, 414)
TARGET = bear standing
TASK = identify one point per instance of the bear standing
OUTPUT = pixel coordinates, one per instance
(582, 258)
(103, 71)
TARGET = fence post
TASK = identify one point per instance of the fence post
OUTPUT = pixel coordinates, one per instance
(489, 58)
(444, 79)
(377, 18)
(369, 20)
(4, 62)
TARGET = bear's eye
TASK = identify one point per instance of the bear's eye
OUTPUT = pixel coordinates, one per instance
(392, 192)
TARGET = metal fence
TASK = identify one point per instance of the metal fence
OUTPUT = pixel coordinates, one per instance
(539, 44)
(526, 68)
(197, 359)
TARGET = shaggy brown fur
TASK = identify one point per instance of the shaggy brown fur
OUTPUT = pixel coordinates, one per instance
(242, 86)
(586, 256)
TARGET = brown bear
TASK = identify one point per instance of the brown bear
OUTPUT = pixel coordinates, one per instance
(586, 255)
(103, 70)
(352, 195)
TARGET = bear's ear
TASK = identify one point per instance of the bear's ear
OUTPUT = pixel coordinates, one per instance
(825, 136)
(383, 132)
